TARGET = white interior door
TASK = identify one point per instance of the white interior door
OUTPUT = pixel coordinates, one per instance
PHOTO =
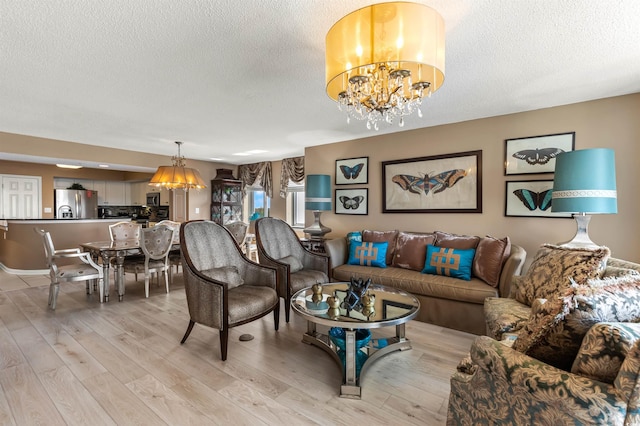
(179, 205)
(21, 197)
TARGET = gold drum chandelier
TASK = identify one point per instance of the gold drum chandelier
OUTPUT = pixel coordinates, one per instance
(177, 176)
(382, 60)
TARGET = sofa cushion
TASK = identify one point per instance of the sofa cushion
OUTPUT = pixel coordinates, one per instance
(491, 254)
(368, 254)
(225, 274)
(554, 266)
(598, 300)
(603, 349)
(449, 261)
(411, 250)
(415, 282)
(444, 239)
(504, 315)
(382, 236)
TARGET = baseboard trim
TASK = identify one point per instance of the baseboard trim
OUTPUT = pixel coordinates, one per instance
(24, 271)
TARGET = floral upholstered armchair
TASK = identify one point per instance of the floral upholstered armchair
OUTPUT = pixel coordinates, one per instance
(564, 348)
(499, 385)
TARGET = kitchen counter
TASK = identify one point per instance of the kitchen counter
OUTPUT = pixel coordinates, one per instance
(21, 248)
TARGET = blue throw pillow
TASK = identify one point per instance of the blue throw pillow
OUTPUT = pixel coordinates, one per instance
(368, 254)
(354, 237)
(448, 261)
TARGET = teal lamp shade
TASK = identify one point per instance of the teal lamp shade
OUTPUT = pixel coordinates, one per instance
(317, 197)
(585, 182)
(318, 193)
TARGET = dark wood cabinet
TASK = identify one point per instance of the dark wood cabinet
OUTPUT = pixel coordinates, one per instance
(226, 198)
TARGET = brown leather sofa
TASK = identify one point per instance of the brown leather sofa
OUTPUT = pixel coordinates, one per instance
(446, 301)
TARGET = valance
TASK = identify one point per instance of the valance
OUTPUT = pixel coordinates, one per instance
(292, 170)
(249, 174)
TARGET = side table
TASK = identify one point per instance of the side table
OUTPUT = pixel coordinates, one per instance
(315, 245)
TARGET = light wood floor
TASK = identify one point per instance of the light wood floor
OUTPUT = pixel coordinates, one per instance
(122, 363)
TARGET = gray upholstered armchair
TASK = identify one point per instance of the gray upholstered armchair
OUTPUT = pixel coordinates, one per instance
(224, 289)
(297, 267)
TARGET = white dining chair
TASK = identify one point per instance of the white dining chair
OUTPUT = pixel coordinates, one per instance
(83, 269)
(156, 243)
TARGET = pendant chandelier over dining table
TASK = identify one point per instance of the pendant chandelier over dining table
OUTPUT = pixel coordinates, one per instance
(382, 60)
(177, 176)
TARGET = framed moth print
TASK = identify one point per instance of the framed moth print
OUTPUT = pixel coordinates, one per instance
(449, 183)
(352, 201)
(530, 198)
(536, 154)
(352, 171)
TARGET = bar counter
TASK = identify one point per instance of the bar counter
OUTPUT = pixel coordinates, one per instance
(22, 250)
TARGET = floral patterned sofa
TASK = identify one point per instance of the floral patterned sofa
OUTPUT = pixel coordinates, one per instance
(562, 349)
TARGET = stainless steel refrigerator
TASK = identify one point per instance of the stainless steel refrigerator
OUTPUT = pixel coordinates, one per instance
(76, 204)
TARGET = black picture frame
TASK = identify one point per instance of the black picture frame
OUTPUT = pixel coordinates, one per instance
(352, 171)
(532, 200)
(447, 183)
(536, 154)
(355, 201)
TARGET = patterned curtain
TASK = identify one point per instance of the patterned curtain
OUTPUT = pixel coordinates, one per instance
(292, 169)
(257, 172)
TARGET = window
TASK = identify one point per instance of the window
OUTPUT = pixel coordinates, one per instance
(295, 205)
(257, 203)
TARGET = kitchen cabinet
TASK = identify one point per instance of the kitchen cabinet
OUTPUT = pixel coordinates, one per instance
(139, 193)
(64, 183)
(100, 186)
(115, 193)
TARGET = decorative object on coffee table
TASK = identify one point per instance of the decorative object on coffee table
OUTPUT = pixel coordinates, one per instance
(357, 288)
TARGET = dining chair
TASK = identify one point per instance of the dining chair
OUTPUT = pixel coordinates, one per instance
(297, 267)
(125, 230)
(85, 270)
(174, 254)
(224, 289)
(155, 243)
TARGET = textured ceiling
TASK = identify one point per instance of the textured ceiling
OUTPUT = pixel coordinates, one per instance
(231, 76)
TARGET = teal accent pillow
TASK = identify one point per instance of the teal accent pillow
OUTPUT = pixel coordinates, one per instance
(368, 254)
(354, 237)
(451, 262)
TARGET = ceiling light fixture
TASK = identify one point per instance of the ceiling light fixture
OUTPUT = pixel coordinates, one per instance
(177, 175)
(68, 166)
(382, 60)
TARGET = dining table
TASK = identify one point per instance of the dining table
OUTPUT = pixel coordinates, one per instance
(118, 250)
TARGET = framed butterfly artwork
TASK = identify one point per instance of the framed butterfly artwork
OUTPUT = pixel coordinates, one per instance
(530, 198)
(352, 201)
(447, 183)
(351, 171)
(536, 154)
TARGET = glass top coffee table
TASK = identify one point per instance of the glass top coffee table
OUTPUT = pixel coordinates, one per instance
(349, 341)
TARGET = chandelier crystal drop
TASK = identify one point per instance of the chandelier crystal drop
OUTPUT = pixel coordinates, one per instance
(382, 60)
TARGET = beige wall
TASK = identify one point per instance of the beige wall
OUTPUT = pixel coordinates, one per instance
(603, 123)
(611, 122)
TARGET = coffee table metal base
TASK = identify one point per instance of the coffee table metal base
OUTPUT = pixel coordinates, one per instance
(350, 379)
